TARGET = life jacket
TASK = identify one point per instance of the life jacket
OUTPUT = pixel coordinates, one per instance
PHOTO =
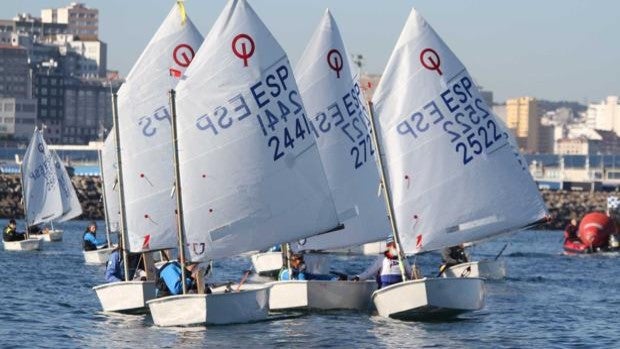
(87, 245)
(8, 233)
(390, 271)
(160, 284)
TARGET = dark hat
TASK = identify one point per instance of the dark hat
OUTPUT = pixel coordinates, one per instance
(12, 221)
(92, 223)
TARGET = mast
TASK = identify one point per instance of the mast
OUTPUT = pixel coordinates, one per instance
(177, 185)
(21, 170)
(121, 193)
(105, 202)
(387, 193)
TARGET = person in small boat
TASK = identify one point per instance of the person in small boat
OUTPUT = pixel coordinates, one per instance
(571, 231)
(168, 279)
(10, 232)
(298, 271)
(35, 230)
(386, 269)
(115, 269)
(90, 241)
(451, 256)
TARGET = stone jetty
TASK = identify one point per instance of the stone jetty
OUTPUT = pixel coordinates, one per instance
(562, 205)
(88, 189)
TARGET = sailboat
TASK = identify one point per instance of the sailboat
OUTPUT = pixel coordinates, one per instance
(450, 176)
(247, 176)
(331, 92)
(40, 190)
(70, 203)
(144, 155)
(109, 183)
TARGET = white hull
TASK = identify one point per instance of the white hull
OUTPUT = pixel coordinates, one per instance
(53, 235)
(428, 298)
(270, 263)
(23, 245)
(97, 256)
(218, 308)
(321, 295)
(488, 269)
(125, 296)
(267, 263)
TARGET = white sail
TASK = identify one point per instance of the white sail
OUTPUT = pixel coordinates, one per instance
(330, 89)
(109, 173)
(70, 204)
(251, 175)
(146, 142)
(41, 189)
(453, 175)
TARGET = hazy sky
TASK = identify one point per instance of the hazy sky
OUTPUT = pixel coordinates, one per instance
(552, 49)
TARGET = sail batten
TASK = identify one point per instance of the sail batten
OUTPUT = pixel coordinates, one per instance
(450, 163)
(144, 127)
(250, 170)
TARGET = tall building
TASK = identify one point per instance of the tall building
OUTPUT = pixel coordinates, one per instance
(15, 72)
(55, 67)
(522, 116)
(604, 115)
(17, 117)
(88, 109)
(81, 21)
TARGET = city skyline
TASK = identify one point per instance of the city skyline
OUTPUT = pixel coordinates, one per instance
(556, 50)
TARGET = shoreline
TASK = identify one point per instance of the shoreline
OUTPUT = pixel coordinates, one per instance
(562, 205)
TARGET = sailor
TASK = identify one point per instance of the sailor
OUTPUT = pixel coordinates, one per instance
(570, 232)
(386, 268)
(451, 256)
(168, 279)
(115, 270)
(90, 241)
(10, 233)
(298, 271)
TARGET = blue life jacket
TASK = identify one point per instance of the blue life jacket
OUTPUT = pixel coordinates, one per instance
(168, 280)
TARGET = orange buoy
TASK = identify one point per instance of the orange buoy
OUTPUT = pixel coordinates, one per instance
(595, 228)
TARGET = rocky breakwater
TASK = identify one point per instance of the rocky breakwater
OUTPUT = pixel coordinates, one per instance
(562, 205)
(88, 189)
(565, 205)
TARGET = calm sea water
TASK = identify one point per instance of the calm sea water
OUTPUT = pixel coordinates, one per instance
(548, 301)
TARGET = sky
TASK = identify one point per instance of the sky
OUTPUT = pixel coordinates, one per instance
(548, 49)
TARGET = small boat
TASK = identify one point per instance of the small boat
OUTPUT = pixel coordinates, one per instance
(98, 256)
(41, 191)
(597, 233)
(430, 297)
(125, 296)
(267, 263)
(31, 244)
(486, 269)
(473, 187)
(321, 295)
(270, 264)
(275, 190)
(325, 75)
(145, 161)
(52, 235)
(217, 308)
